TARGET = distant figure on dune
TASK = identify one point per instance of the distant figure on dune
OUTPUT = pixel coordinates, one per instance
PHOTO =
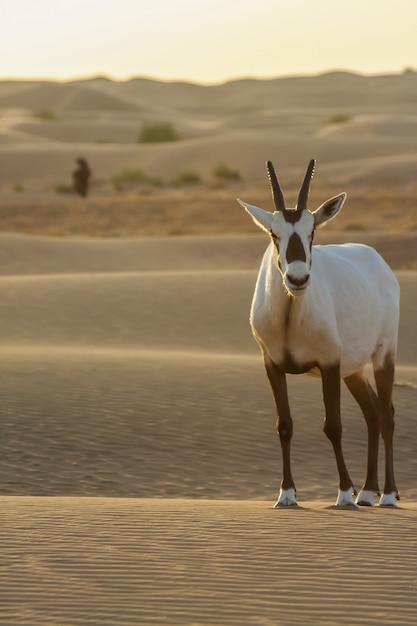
(80, 177)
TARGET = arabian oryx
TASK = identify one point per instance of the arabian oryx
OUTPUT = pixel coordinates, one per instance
(326, 310)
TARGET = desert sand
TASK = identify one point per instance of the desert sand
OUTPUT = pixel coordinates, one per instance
(139, 462)
(139, 459)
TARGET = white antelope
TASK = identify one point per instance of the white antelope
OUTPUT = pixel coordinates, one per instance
(326, 310)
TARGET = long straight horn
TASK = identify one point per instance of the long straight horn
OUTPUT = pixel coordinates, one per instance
(277, 194)
(305, 187)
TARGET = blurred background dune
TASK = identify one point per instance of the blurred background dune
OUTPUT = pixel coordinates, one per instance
(361, 129)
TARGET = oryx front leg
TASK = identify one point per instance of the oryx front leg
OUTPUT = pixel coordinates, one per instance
(333, 430)
(278, 382)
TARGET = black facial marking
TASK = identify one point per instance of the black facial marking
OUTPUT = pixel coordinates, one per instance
(275, 237)
(312, 238)
(275, 241)
(295, 249)
(292, 216)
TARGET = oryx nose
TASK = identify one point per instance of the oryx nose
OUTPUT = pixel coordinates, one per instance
(298, 281)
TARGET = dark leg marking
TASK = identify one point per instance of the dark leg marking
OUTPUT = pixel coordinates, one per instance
(367, 399)
(384, 380)
(333, 423)
(278, 383)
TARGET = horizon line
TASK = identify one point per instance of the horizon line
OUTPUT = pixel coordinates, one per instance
(236, 78)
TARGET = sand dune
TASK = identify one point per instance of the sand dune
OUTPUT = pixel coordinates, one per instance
(338, 118)
(138, 455)
(82, 131)
(38, 165)
(173, 347)
(61, 97)
(139, 459)
(187, 310)
(339, 88)
(72, 285)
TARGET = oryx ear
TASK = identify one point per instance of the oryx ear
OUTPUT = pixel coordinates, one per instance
(262, 218)
(329, 209)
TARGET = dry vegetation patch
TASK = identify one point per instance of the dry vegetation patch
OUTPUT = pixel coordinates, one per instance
(198, 209)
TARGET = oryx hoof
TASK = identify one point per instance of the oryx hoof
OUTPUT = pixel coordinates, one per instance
(389, 500)
(345, 500)
(365, 498)
(286, 499)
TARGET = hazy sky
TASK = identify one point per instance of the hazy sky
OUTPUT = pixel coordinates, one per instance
(205, 40)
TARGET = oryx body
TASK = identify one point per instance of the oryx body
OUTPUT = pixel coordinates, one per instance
(326, 310)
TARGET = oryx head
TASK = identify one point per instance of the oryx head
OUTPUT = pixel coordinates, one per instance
(292, 230)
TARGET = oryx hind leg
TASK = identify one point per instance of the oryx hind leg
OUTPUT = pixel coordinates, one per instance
(367, 400)
(384, 380)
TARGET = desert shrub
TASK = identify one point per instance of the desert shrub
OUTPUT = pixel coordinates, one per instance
(63, 188)
(18, 188)
(45, 114)
(340, 118)
(130, 177)
(158, 132)
(224, 172)
(188, 177)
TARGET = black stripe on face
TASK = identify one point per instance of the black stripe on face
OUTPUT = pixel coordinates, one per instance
(311, 239)
(292, 216)
(276, 252)
(295, 249)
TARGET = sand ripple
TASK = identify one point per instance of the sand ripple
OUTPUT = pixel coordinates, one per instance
(101, 561)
